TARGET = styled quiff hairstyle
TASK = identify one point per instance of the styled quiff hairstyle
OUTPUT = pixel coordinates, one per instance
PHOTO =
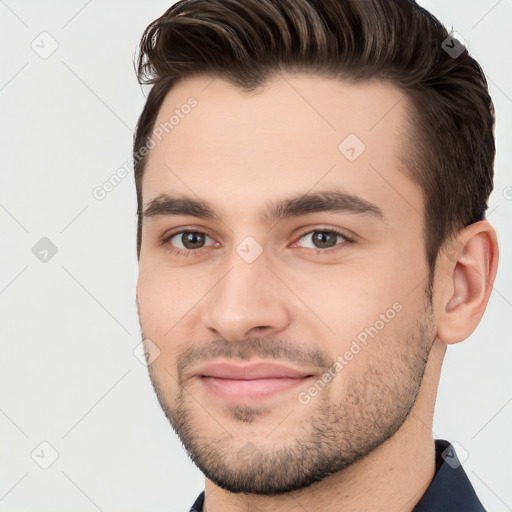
(450, 144)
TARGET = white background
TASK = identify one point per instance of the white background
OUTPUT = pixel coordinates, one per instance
(69, 326)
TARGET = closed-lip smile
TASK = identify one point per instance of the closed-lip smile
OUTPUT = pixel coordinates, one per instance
(249, 382)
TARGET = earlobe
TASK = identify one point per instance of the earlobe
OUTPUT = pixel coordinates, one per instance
(471, 271)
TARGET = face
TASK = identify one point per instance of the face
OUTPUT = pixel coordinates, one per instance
(282, 276)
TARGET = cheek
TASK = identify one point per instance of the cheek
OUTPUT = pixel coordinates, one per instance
(169, 304)
(164, 290)
(159, 313)
(163, 298)
(153, 302)
(346, 298)
(349, 298)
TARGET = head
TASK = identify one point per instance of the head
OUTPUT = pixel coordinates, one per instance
(312, 180)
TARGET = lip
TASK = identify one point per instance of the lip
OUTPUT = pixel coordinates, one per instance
(261, 370)
(252, 382)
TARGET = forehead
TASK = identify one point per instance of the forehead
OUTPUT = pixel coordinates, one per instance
(230, 146)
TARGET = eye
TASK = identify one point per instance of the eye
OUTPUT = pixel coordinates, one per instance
(322, 239)
(189, 240)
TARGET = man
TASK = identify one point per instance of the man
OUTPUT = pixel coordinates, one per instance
(312, 180)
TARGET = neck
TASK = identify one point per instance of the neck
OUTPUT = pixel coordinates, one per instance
(392, 477)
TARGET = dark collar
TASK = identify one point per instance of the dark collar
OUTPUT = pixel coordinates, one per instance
(449, 491)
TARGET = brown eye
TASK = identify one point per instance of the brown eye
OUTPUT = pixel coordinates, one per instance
(322, 239)
(189, 240)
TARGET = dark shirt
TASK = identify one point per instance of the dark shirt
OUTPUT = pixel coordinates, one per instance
(449, 491)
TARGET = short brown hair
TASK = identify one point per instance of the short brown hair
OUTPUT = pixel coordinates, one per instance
(450, 150)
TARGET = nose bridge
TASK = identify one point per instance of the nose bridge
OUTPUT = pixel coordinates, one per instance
(243, 280)
(247, 297)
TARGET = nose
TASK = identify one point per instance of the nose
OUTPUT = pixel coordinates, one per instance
(247, 302)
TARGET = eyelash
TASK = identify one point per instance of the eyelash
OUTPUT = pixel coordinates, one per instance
(194, 252)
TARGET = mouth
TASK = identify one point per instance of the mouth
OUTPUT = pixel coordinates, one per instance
(239, 390)
(253, 382)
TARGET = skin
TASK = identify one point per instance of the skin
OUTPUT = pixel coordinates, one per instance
(296, 303)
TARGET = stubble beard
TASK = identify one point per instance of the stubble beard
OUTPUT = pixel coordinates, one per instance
(335, 434)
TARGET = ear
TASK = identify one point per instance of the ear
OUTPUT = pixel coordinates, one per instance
(469, 266)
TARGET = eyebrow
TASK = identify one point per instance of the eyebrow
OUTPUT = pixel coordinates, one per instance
(303, 204)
